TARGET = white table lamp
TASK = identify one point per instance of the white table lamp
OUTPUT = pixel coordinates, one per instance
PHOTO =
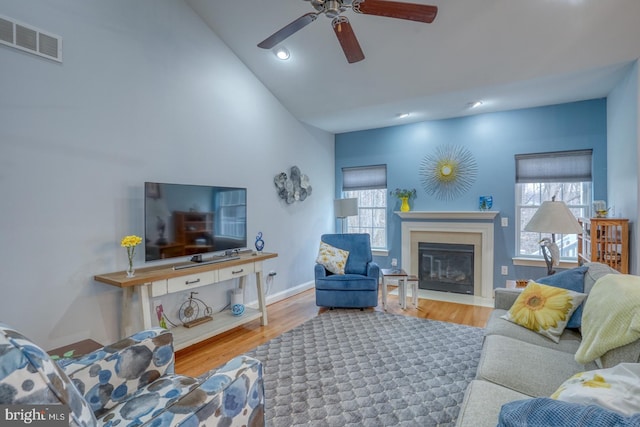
(344, 208)
(553, 217)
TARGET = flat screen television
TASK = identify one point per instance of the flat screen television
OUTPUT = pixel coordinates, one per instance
(186, 220)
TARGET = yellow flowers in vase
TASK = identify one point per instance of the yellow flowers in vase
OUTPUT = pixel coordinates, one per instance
(130, 242)
(404, 195)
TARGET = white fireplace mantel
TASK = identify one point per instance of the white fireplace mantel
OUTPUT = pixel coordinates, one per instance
(484, 229)
(435, 215)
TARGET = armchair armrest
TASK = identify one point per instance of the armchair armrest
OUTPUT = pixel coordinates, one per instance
(320, 271)
(373, 270)
(235, 391)
(505, 297)
(112, 373)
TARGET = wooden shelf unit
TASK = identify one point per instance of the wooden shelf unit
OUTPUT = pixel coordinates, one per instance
(153, 282)
(190, 227)
(604, 240)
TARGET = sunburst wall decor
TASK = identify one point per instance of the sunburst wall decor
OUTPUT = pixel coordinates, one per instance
(448, 172)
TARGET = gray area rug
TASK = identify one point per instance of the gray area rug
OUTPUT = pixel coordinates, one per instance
(355, 368)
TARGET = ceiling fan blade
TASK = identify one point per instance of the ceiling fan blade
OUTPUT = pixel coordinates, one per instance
(288, 30)
(347, 39)
(393, 9)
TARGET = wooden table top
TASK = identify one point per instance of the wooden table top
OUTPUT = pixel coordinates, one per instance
(393, 272)
(166, 271)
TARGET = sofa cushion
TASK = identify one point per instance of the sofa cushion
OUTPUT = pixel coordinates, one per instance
(123, 367)
(549, 412)
(231, 395)
(617, 388)
(351, 282)
(626, 353)
(544, 309)
(569, 339)
(526, 368)
(505, 297)
(482, 403)
(332, 258)
(572, 279)
(595, 270)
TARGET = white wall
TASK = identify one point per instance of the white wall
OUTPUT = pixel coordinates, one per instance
(623, 140)
(146, 92)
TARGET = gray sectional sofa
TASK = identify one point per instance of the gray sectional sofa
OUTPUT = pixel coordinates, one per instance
(518, 363)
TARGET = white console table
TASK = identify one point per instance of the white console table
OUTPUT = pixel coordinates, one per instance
(152, 282)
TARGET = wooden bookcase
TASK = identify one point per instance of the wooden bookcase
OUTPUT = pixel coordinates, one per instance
(194, 231)
(604, 240)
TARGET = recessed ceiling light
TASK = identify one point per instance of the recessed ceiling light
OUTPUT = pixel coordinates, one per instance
(282, 53)
(475, 104)
(402, 115)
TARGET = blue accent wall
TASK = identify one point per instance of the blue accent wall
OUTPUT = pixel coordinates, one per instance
(493, 139)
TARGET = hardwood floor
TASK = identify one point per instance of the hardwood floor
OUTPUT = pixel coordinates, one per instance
(291, 312)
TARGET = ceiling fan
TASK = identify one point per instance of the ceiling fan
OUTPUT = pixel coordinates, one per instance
(342, 27)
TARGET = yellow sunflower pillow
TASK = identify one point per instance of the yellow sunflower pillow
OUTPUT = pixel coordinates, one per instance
(544, 309)
(334, 259)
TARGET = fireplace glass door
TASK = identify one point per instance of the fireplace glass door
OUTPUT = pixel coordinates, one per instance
(445, 267)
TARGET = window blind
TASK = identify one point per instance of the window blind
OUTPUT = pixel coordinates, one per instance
(364, 178)
(559, 166)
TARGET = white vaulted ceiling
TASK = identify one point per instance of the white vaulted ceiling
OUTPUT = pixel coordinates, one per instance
(508, 53)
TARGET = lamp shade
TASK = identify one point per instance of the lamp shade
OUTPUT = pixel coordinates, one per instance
(345, 207)
(554, 217)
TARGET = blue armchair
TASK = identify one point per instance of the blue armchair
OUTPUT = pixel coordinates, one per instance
(358, 287)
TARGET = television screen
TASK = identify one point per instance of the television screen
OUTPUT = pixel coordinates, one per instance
(186, 220)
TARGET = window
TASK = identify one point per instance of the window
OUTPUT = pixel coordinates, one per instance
(565, 175)
(232, 214)
(369, 185)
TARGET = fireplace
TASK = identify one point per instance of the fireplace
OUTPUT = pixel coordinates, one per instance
(473, 229)
(446, 267)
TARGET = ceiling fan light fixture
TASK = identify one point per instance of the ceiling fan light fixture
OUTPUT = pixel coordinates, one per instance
(334, 8)
(282, 53)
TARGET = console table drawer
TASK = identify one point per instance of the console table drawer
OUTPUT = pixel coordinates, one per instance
(184, 283)
(158, 288)
(229, 273)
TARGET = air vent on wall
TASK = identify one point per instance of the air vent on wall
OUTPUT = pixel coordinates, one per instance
(30, 39)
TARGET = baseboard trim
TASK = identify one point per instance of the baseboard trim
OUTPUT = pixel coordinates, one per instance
(289, 292)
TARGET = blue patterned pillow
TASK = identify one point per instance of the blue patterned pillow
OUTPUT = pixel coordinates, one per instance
(548, 412)
(572, 280)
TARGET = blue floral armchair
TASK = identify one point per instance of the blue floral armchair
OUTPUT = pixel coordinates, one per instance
(358, 286)
(131, 383)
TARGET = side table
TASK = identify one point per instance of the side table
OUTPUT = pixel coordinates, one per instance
(76, 349)
(402, 278)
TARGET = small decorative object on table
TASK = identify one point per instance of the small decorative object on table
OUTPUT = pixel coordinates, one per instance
(259, 242)
(237, 302)
(600, 208)
(189, 313)
(486, 203)
(130, 242)
(521, 283)
(404, 195)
